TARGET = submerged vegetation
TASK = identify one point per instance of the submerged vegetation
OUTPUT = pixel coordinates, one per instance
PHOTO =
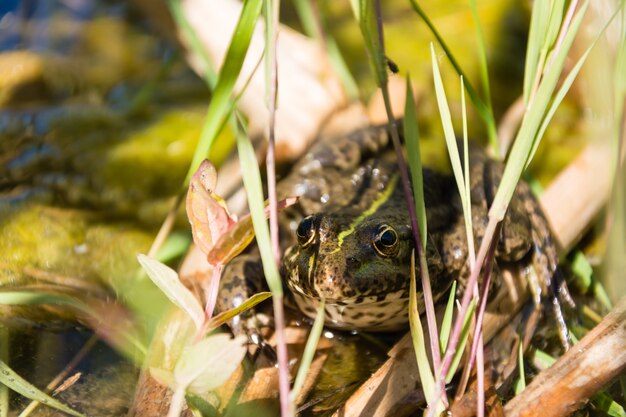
(104, 136)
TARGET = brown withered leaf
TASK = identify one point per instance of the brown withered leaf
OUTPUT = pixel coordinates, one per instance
(207, 212)
(238, 236)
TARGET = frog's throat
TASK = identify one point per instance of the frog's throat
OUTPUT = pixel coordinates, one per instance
(382, 198)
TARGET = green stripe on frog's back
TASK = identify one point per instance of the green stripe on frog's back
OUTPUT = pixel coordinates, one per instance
(382, 199)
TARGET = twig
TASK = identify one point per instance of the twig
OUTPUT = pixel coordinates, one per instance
(592, 363)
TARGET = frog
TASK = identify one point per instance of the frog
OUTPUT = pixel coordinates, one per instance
(348, 240)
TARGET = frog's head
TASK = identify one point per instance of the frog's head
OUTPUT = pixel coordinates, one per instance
(360, 267)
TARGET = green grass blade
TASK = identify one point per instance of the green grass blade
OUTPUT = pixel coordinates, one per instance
(367, 22)
(448, 129)
(219, 107)
(411, 138)
(581, 268)
(254, 191)
(481, 107)
(417, 335)
(554, 23)
(484, 74)
(538, 27)
(565, 86)
(246, 305)
(462, 342)
(210, 76)
(467, 206)
(18, 384)
(520, 382)
(446, 323)
(527, 135)
(309, 352)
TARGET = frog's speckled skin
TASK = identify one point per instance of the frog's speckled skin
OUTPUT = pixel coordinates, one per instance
(350, 189)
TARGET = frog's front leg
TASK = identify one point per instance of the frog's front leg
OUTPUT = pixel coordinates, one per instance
(524, 236)
(242, 278)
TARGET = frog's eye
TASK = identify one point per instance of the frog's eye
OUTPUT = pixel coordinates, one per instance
(385, 241)
(305, 231)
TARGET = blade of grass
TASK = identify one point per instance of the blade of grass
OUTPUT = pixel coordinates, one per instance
(467, 208)
(448, 129)
(520, 382)
(219, 105)
(461, 178)
(254, 191)
(565, 86)
(309, 353)
(411, 138)
(417, 335)
(527, 135)
(484, 74)
(481, 107)
(222, 318)
(536, 33)
(18, 384)
(210, 76)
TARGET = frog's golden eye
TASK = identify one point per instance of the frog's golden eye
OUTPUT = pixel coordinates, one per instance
(385, 241)
(305, 232)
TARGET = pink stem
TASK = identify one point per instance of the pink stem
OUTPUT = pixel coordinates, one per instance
(429, 305)
(213, 290)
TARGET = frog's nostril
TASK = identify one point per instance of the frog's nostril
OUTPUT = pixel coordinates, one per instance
(352, 263)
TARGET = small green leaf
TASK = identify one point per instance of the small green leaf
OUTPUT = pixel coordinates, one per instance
(604, 402)
(446, 323)
(581, 268)
(541, 360)
(246, 305)
(18, 384)
(209, 363)
(167, 280)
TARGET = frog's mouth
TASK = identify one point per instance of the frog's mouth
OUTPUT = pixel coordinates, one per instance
(370, 313)
(370, 299)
